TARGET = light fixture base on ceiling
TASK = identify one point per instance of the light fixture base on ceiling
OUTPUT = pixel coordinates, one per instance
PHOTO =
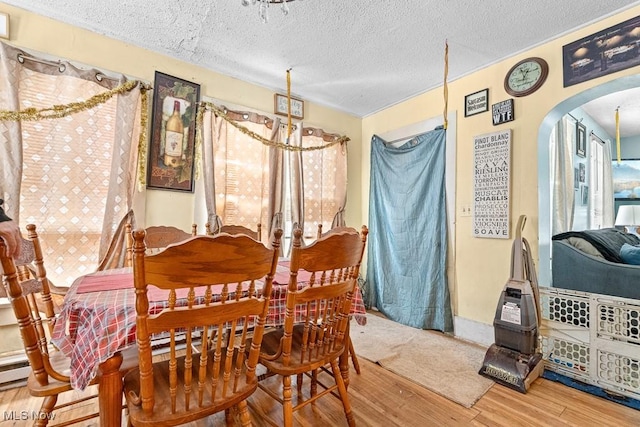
(263, 7)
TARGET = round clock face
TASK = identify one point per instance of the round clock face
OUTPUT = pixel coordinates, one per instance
(526, 76)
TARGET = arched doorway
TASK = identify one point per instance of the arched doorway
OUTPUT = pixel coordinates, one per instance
(544, 132)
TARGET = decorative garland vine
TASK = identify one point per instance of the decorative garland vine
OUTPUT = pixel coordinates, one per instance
(60, 111)
(220, 113)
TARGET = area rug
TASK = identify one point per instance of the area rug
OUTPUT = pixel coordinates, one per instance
(443, 364)
(591, 389)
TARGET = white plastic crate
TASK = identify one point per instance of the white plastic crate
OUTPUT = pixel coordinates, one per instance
(592, 338)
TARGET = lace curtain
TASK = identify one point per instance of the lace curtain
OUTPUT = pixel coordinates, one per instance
(74, 177)
(247, 182)
(324, 183)
(240, 173)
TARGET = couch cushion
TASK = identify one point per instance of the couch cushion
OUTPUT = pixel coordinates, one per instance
(584, 246)
(630, 254)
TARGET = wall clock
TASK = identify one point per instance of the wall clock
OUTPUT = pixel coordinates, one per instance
(526, 77)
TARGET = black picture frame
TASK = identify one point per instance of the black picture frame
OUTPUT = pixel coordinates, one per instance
(503, 112)
(476, 103)
(581, 140)
(607, 51)
(170, 92)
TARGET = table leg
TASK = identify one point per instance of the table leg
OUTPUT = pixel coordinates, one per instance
(110, 392)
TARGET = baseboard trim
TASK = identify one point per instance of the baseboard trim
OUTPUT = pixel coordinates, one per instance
(470, 330)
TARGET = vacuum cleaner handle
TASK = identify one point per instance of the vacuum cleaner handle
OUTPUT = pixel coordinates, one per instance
(517, 254)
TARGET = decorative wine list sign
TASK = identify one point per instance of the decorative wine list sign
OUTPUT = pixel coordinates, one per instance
(491, 184)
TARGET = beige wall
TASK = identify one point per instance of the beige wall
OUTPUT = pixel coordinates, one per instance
(482, 265)
(38, 34)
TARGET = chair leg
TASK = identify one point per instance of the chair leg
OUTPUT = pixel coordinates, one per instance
(299, 381)
(228, 417)
(287, 405)
(354, 358)
(344, 397)
(314, 385)
(245, 418)
(48, 404)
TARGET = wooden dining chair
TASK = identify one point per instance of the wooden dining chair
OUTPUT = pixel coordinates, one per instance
(158, 237)
(237, 229)
(351, 350)
(30, 295)
(323, 303)
(213, 284)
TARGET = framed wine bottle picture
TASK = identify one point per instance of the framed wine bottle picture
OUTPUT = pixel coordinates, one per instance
(170, 161)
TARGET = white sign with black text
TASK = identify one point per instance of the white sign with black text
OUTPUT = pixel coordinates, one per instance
(476, 103)
(492, 184)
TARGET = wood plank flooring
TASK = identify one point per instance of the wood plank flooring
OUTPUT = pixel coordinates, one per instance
(380, 398)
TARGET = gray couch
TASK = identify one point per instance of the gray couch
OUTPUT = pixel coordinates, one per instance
(589, 261)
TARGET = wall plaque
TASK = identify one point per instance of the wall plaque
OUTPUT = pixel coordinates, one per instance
(492, 184)
(502, 112)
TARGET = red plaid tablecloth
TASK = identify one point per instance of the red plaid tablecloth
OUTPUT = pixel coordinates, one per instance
(93, 326)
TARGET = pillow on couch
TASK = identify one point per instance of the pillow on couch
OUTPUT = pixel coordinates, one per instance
(630, 254)
(586, 247)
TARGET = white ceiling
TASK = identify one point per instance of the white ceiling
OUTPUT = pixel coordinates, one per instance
(603, 111)
(356, 56)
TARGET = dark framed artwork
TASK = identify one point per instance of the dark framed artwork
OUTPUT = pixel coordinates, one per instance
(173, 134)
(576, 178)
(626, 179)
(581, 139)
(607, 51)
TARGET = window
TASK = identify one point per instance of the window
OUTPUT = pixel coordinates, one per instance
(73, 175)
(254, 180)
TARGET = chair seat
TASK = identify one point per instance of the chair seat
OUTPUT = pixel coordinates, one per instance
(62, 363)
(162, 409)
(297, 363)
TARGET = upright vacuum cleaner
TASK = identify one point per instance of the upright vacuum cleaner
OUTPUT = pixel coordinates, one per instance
(513, 360)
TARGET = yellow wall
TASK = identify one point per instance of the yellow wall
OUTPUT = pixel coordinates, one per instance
(482, 265)
(38, 34)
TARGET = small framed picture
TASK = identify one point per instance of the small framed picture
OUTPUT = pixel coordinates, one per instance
(281, 106)
(576, 178)
(582, 172)
(585, 194)
(581, 140)
(476, 103)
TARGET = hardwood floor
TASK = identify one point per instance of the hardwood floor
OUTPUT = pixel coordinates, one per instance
(381, 398)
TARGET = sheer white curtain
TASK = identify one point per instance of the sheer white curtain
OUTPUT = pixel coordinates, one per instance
(324, 179)
(562, 176)
(601, 205)
(75, 176)
(241, 174)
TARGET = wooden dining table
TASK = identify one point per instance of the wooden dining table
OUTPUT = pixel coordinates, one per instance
(98, 321)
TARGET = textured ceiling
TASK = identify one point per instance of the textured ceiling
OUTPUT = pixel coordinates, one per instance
(356, 56)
